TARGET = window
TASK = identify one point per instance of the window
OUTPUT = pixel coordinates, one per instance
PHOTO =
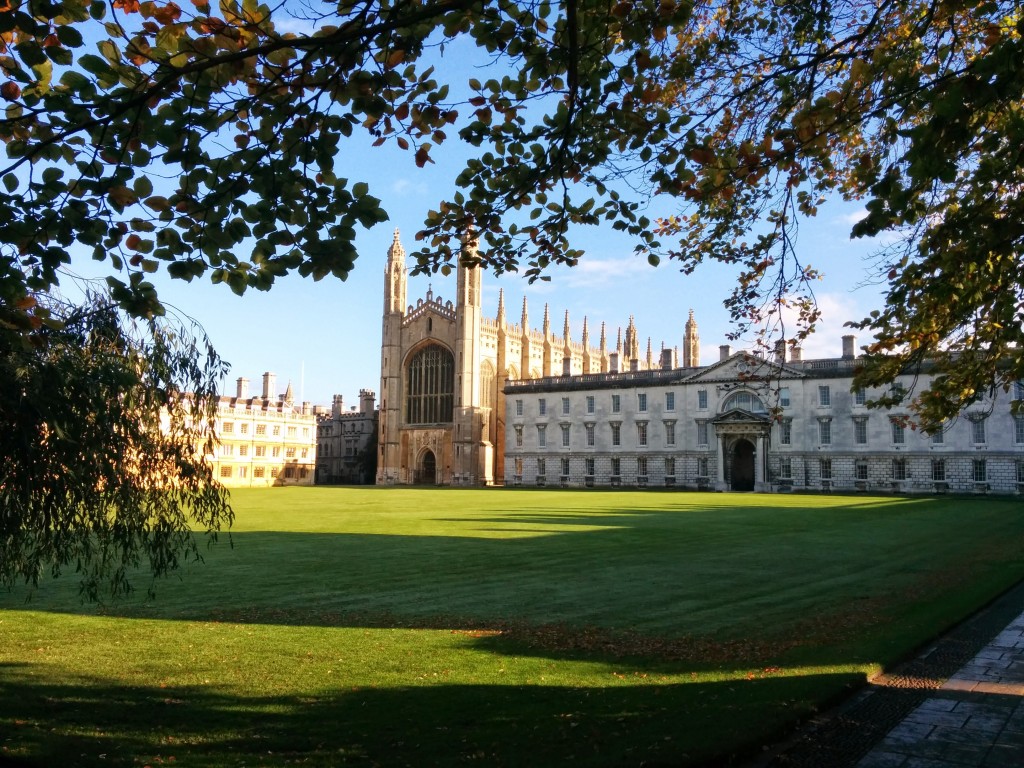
(616, 404)
(616, 466)
(786, 468)
(273, 471)
(824, 397)
(518, 467)
(702, 433)
(1020, 471)
(261, 429)
(243, 450)
(861, 470)
(519, 435)
(641, 466)
(590, 434)
(939, 436)
(590, 467)
(616, 434)
(542, 467)
(258, 471)
(542, 406)
(289, 472)
(565, 466)
(939, 470)
(430, 383)
(825, 431)
(228, 427)
(305, 431)
(670, 433)
(641, 433)
(277, 430)
(590, 403)
(565, 406)
(825, 468)
(243, 472)
(261, 450)
(291, 432)
(978, 431)
(519, 407)
(786, 432)
(565, 436)
(243, 428)
(860, 431)
(542, 435)
(670, 401)
(897, 391)
(899, 433)
(670, 466)
(1018, 390)
(641, 402)
(289, 453)
(1018, 430)
(225, 471)
(980, 471)
(899, 469)
(275, 452)
(784, 401)
(860, 397)
(702, 399)
(744, 401)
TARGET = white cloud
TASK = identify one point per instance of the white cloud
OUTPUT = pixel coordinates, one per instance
(591, 273)
(303, 27)
(404, 187)
(852, 217)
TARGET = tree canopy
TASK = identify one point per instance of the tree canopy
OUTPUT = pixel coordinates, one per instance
(206, 140)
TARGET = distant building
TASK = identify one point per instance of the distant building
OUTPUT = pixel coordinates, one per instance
(347, 442)
(264, 441)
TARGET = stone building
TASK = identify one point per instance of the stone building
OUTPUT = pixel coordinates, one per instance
(444, 367)
(751, 423)
(265, 440)
(343, 438)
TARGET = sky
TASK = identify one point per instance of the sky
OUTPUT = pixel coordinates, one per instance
(324, 337)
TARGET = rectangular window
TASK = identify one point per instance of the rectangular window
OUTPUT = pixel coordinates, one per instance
(616, 466)
(519, 407)
(275, 452)
(1020, 471)
(542, 436)
(1018, 430)
(261, 429)
(1018, 390)
(939, 436)
(670, 401)
(899, 469)
(289, 453)
(670, 433)
(228, 427)
(291, 432)
(825, 432)
(590, 403)
(289, 472)
(273, 471)
(590, 467)
(860, 431)
(670, 466)
(258, 471)
(225, 471)
(702, 399)
(786, 432)
(978, 431)
(702, 433)
(243, 428)
(899, 433)
(702, 467)
(939, 470)
(565, 406)
(261, 450)
(542, 467)
(784, 397)
(519, 467)
(243, 472)
(565, 466)
(519, 436)
(980, 471)
(616, 434)
(277, 430)
(786, 468)
(861, 470)
(227, 450)
(590, 434)
(243, 450)
(641, 466)
(824, 397)
(641, 402)
(860, 396)
(825, 467)
(641, 433)
(565, 435)
(305, 431)
(542, 406)
(616, 404)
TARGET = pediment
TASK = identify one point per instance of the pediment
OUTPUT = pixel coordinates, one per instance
(743, 366)
(740, 416)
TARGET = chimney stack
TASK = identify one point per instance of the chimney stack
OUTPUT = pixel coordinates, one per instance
(666, 360)
(613, 362)
(243, 389)
(724, 351)
(798, 354)
(780, 351)
(849, 347)
(269, 385)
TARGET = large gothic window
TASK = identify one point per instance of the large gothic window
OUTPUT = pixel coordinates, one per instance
(430, 386)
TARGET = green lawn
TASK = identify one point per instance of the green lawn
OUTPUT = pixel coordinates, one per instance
(417, 627)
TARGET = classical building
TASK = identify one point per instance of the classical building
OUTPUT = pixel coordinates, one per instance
(752, 423)
(265, 440)
(444, 367)
(343, 438)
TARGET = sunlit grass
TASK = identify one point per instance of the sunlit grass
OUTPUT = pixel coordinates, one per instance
(362, 626)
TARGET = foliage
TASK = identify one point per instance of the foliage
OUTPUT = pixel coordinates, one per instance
(102, 421)
(748, 114)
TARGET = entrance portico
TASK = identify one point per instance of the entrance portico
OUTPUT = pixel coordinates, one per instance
(743, 439)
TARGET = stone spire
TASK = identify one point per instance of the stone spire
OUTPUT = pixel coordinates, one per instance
(547, 322)
(501, 307)
(289, 395)
(618, 344)
(650, 357)
(395, 278)
(586, 335)
(691, 344)
(566, 338)
(604, 341)
(525, 320)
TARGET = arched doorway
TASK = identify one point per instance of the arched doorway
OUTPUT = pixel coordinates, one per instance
(742, 466)
(426, 473)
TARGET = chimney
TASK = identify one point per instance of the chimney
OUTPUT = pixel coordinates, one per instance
(780, 351)
(366, 400)
(567, 366)
(613, 362)
(849, 347)
(307, 408)
(269, 385)
(243, 389)
(724, 351)
(666, 360)
(798, 354)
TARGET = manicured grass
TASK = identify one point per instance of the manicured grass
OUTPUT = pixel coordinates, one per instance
(500, 627)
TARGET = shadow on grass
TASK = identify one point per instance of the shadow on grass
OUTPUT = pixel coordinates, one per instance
(88, 722)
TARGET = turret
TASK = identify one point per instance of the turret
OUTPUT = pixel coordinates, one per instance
(691, 344)
(395, 277)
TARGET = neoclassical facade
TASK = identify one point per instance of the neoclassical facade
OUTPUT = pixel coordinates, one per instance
(444, 368)
(748, 423)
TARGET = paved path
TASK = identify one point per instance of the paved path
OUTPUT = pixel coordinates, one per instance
(975, 718)
(960, 704)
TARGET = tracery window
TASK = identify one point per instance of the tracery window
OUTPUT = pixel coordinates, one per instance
(430, 386)
(744, 401)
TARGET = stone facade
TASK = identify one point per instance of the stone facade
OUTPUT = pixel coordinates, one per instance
(748, 423)
(343, 437)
